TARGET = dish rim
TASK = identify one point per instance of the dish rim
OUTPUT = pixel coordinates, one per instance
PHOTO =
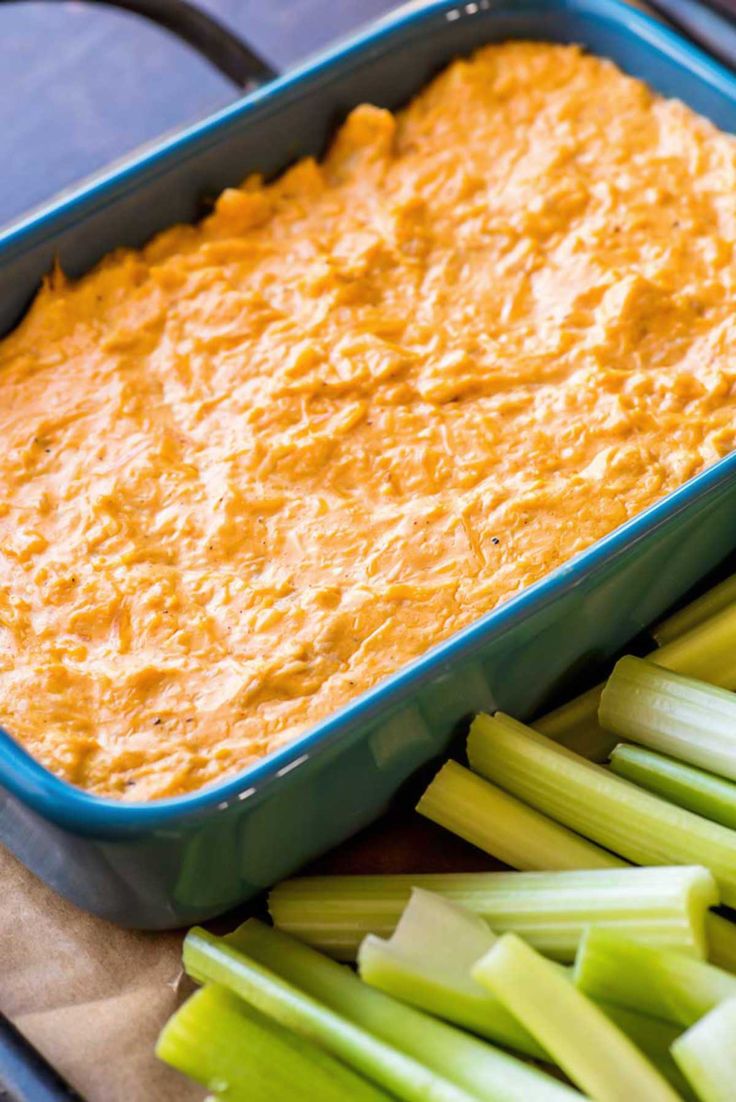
(85, 813)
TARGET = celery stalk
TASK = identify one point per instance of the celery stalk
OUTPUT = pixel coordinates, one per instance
(721, 937)
(536, 848)
(707, 1054)
(707, 651)
(427, 961)
(654, 1037)
(489, 818)
(583, 1041)
(598, 804)
(575, 725)
(527, 840)
(473, 1065)
(219, 1041)
(685, 785)
(676, 715)
(209, 959)
(665, 984)
(697, 612)
(664, 906)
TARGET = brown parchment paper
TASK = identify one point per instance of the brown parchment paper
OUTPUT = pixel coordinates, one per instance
(90, 996)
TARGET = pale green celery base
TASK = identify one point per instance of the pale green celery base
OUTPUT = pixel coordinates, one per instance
(488, 817)
(696, 612)
(597, 804)
(212, 960)
(474, 1065)
(427, 963)
(706, 1054)
(583, 1041)
(664, 906)
(219, 1041)
(685, 785)
(673, 714)
(663, 984)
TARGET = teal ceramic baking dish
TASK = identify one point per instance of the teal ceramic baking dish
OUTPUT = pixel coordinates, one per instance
(176, 861)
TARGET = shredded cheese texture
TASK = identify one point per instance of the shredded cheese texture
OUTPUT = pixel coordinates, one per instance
(255, 467)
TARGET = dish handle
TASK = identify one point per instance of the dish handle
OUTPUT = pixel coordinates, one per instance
(234, 58)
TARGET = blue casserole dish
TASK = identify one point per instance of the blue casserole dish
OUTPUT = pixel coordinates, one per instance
(173, 862)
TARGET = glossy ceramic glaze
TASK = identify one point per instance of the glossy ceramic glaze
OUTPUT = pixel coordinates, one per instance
(176, 861)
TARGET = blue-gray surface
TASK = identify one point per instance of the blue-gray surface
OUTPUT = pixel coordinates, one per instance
(81, 86)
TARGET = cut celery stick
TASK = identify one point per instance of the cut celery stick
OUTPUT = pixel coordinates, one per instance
(685, 785)
(427, 962)
(707, 1054)
(219, 1041)
(583, 1041)
(474, 1065)
(575, 725)
(599, 805)
(665, 984)
(569, 851)
(676, 715)
(530, 843)
(707, 651)
(532, 839)
(573, 851)
(697, 612)
(664, 906)
(654, 1037)
(489, 818)
(721, 937)
(209, 959)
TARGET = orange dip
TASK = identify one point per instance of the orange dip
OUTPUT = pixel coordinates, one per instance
(252, 469)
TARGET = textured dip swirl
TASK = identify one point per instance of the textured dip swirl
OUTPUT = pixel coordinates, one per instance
(250, 470)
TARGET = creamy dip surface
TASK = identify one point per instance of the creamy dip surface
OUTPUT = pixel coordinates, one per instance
(250, 470)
